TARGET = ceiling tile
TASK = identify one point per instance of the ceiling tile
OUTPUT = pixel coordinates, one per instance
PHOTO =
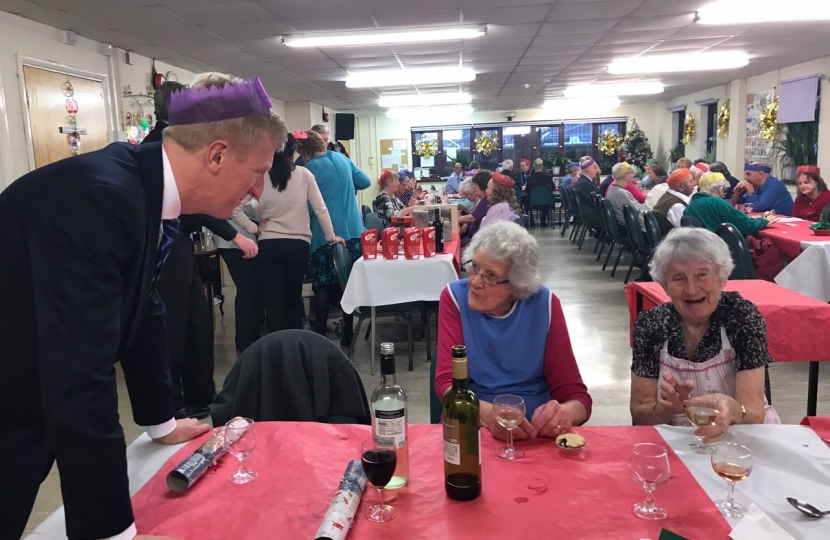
(234, 12)
(492, 44)
(549, 42)
(573, 28)
(610, 9)
(248, 30)
(331, 24)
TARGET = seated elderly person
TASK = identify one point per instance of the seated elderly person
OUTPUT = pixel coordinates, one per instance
(478, 194)
(468, 198)
(762, 190)
(408, 187)
(812, 196)
(502, 199)
(704, 348)
(515, 333)
(709, 207)
(619, 195)
(387, 204)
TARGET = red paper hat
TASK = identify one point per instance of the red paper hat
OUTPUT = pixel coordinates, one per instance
(384, 176)
(808, 169)
(506, 181)
(677, 176)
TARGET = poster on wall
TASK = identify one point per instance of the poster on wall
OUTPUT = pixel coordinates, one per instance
(757, 149)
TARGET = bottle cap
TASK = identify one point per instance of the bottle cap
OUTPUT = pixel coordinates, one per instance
(459, 351)
(387, 358)
(387, 348)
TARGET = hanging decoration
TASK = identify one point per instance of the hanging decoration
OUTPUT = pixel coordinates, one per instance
(73, 133)
(723, 119)
(426, 147)
(689, 129)
(487, 143)
(769, 120)
(635, 148)
(609, 142)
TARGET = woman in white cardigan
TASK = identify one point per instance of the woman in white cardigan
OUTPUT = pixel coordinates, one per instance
(285, 236)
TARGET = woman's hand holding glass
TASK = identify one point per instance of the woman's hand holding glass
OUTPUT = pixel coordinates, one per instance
(724, 405)
(551, 419)
(674, 393)
(488, 419)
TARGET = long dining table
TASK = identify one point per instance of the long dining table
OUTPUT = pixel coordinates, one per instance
(797, 325)
(544, 495)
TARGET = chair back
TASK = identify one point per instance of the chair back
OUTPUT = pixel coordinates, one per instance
(610, 219)
(517, 189)
(632, 226)
(292, 375)
(573, 200)
(653, 233)
(541, 195)
(373, 221)
(744, 269)
(366, 210)
(566, 201)
(691, 221)
(342, 264)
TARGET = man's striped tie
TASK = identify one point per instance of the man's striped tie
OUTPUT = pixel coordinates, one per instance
(170, 229)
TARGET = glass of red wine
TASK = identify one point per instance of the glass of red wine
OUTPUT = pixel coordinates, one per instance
(379, 464)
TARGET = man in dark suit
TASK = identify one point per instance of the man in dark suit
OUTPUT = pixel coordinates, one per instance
(584, 186)
(537, 179)
(83, 244)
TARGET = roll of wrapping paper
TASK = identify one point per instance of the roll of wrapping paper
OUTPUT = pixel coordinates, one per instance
(340, 515)
(189, 471)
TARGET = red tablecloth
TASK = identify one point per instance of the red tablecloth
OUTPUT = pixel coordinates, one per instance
(544, 495)
(820, 424)
(787, 237)
(798, 327)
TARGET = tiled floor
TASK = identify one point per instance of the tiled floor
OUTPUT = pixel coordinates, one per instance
(597, 316)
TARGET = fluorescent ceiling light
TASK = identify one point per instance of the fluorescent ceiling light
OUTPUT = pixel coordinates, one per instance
(610, 90)
(425, 100)
(421, 113)
(761, 11)
(410, 77)
(570, 107)
(380, 37)
(670, 63)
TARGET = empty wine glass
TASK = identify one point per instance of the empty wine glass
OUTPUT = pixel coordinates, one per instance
(509, 411)
(649, 466)
(240, 440)
(379, 462)
(700, 416)
(733, 463)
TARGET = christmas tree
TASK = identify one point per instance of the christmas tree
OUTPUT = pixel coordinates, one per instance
(635, 148)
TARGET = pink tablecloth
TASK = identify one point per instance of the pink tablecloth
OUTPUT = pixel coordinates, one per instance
(798, 327)
(820, 424)
(788, 236)
(544, 495)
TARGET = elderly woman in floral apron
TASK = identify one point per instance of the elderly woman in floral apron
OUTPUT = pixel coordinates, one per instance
(704, 348)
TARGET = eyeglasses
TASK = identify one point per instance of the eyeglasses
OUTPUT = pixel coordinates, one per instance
(488, 278)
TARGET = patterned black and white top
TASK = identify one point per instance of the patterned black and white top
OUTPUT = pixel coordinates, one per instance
(745, 329)
(387, 206)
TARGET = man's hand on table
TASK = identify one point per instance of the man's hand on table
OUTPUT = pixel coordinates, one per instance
(186, 429)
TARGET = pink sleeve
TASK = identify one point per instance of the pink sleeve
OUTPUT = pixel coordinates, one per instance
(634, 190)
(561, 371)
(449, 333)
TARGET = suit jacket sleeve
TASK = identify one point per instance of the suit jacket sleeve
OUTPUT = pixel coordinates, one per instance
(219, 226)
(77, 265)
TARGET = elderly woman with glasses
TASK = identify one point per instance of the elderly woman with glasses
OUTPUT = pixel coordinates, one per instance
(515, 333)
(705, 347)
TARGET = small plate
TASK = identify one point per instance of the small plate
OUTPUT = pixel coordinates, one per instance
(573, 443)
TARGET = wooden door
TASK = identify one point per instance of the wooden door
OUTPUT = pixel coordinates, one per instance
(47, 94)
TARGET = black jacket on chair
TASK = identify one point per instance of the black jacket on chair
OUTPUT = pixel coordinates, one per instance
(292, 375)
(77, 257)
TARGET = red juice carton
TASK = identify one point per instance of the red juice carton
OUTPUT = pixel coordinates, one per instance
(412, 243)
(390, 242)
(369, 243)
(428, 239)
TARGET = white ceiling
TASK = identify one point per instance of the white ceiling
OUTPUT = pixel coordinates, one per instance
(546, 45)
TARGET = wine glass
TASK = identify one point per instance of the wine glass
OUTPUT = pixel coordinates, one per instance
(509, 411)
(700, 416)
(649, 466)
(240, 440)
(748, 207)
(733, 463)
(379, 464)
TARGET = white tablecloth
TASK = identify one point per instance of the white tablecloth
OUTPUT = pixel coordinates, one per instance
(381, 282)
(809, 273)
(788, 461)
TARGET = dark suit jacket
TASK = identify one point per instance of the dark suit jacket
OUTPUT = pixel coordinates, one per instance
(539, 178)
(155, 133)
(79, 247)
(584, 189)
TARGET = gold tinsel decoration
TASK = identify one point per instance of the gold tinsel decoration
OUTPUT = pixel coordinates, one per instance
(723, 119)
(487, 143)
(769, 120)
(609, 142)
(689, 129)
(426, 148)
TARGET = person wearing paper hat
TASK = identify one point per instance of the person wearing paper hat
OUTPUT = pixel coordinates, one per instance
(88, 237)
(720, 167)
(763, 190)
(618, 193)
(584, 186)
(812, 193)
(502, 200)
(709, 207)
(537, 179)
(572, 173)
(669, 209)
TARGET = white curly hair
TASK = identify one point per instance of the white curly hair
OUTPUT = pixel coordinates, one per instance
(510, 243)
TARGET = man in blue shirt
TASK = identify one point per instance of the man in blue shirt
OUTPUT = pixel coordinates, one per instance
(573, 173)
(455, 179)
(763, 190)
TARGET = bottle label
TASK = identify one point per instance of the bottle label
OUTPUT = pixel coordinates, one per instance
(452, 448)
(390, 428)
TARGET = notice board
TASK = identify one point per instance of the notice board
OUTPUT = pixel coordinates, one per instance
(394, 154)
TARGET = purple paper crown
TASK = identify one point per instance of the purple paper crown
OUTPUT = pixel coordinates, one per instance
(233, 100)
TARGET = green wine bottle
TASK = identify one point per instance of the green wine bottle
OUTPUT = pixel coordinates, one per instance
(462, 438)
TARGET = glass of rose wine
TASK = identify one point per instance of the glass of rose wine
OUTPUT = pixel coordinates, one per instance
(733, 463)
(700, 416)
(379, 464)
(649, 467)
(509, 411)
